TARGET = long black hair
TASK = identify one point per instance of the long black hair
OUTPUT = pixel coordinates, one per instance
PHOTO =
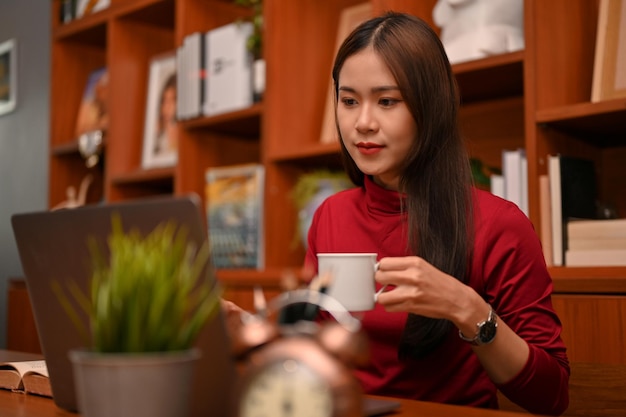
(436, 177)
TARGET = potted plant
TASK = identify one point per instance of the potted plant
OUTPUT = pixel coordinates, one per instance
(149, 299)
(310, 191)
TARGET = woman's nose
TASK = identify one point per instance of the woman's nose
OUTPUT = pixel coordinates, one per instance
(366, 121)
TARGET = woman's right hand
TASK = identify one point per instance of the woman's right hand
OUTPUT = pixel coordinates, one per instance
(233, 315)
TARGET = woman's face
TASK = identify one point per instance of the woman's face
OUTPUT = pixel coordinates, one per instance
(168, 106)
(376, 126)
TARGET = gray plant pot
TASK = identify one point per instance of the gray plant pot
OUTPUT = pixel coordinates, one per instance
(133, 385)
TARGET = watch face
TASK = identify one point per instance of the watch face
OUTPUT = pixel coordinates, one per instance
(487, 332)
(286, 388)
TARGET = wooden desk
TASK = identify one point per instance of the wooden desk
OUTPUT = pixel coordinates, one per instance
(24, 405)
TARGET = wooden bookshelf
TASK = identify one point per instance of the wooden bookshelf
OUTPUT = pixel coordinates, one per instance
(538, 99)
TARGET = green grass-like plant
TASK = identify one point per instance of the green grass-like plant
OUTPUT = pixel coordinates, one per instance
(151, 294)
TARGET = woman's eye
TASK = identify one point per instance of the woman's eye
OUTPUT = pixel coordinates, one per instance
(348, 101)
(388, 102)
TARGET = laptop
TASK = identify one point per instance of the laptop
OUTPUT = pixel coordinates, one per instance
(52, 246)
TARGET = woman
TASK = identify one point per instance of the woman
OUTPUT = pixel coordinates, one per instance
(166, 133)
(457, 261)
(452, 252)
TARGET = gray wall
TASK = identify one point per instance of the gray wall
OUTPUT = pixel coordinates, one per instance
(23, 132)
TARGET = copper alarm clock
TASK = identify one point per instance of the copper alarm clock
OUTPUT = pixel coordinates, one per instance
(303, 369)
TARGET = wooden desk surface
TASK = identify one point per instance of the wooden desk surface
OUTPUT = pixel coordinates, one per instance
(25, 405)
(14, 404)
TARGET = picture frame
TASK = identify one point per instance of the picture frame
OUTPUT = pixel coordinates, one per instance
(8, 76)
(349, 19)
(93, 110)
(160, 130)
(609, 70)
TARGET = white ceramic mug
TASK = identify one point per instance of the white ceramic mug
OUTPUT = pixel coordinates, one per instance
(351, 278)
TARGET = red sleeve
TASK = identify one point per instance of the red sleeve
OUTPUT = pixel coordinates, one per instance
(543, 380)
(516, 282)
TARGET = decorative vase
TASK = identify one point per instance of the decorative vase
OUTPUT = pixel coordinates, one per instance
(133, 384)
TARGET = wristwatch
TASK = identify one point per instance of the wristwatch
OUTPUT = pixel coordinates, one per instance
(485, 330)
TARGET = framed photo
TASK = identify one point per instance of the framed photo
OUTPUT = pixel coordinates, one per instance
(160, 140)
(8, 76)
(609, 71)
(93, 110)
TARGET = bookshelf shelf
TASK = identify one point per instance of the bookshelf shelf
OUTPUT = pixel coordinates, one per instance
(505, 75)
(245, 122)
(90, 30)
(312, 151)
(144, 176)
(602, 121)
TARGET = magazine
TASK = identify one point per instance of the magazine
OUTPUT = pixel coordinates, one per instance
(234, 201)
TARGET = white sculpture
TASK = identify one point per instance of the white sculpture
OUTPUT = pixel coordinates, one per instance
(473, 29)
(73, 199)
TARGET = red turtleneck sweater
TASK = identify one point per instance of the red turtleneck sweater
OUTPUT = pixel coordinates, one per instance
(508, 271)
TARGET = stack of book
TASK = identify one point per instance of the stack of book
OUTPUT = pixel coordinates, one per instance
(216, 71)
(571, 232)
(596, 243)
(572, 195)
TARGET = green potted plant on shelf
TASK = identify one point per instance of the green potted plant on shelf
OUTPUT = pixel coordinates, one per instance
(310, 190)
(149, 299)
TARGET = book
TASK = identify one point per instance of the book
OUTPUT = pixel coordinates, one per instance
(228, 68)
(190, 62)
(234, 201)
(545, 231)
(496, 185)
(515, 173)
(596, 234)
(596, 243)
(572, 195)
(85, 7)
(597, 228)
(30, 377)
(595, 257)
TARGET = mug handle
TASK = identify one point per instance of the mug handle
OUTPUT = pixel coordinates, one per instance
(382, 289)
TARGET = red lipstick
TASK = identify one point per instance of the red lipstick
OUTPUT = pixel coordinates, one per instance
(369, 148)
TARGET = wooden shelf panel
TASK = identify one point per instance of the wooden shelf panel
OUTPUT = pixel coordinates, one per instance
(490, 78)
(603, 122)
(153, 12)
(249, 277)
(245, 122)
(313, 151)
(594, 280)
(141, 176)
(90, 30)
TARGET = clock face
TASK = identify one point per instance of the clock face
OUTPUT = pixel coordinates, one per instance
(286, 388)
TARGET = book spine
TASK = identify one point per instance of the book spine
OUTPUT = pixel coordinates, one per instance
(554, 174)
(546, 219)
(593, 257)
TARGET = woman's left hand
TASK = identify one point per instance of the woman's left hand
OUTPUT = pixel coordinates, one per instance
(420, 288)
